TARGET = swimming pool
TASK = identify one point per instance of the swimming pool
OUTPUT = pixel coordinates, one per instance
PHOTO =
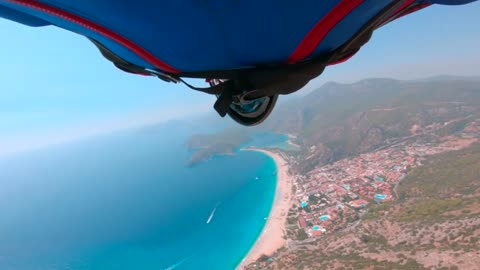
(380, 196)
(324, 217)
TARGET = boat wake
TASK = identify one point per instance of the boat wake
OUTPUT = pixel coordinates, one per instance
(173, 266)
(212, 213)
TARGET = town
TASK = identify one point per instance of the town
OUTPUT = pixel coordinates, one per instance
(329, 198)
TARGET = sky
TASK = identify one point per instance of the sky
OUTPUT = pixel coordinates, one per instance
(438, 40)
(55, 86)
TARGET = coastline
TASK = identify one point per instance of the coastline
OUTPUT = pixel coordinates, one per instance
(272, 236)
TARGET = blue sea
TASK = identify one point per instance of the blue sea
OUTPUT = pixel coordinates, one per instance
(129, 201)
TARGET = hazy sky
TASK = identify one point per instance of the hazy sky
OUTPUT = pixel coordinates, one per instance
(438, 40)
(55, 85)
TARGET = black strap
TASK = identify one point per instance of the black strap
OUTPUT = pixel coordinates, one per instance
(225, 92)
(225, 100)
(212, 90)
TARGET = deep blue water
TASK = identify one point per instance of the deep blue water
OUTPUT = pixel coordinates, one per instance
(128, 201)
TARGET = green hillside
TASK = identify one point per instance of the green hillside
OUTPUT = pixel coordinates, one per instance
(347, 119)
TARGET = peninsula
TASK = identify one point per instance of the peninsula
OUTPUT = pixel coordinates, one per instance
(204, 146)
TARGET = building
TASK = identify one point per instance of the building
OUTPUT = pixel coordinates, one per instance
(358, 203)
(302, 222)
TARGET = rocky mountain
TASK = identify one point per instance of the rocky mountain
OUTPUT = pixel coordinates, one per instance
(339, 120)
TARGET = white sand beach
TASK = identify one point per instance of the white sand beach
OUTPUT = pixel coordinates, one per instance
(272, 236)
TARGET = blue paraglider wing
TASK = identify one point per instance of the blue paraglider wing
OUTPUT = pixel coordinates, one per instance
(190, 36)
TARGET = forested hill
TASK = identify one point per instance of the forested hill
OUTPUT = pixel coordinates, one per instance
(339, 120)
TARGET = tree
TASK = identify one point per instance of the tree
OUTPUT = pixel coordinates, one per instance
(263, 258)
(301, 234)
(291, 220)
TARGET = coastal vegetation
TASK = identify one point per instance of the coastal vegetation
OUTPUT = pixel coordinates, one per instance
(444, 175)
(204, 146)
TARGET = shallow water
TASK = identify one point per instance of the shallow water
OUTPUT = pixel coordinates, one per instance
(128, 201)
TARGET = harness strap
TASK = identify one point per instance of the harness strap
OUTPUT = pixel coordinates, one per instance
(212, 90)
